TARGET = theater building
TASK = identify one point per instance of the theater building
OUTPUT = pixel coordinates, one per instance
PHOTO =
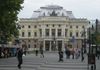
(52, 27)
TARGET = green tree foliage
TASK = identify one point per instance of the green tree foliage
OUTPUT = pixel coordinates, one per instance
(9, 10)
(97, 37)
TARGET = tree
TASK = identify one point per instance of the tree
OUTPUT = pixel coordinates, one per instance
(98, 38)
(9, 10)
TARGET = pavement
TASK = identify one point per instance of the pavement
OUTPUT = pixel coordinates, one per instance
(49, 62)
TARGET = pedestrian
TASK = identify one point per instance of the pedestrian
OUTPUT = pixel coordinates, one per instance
(60, 56)
(72, 53)
(66, 52)
(41, 51)
(19, 57)
(36, 51)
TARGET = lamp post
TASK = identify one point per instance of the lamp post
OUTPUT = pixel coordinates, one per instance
(91, 54)
(83, 49)
(96, 31)
(54, 43)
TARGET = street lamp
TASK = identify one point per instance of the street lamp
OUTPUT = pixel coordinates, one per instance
(96, 31)
(91, 55)
(54, 43)
(83, 49)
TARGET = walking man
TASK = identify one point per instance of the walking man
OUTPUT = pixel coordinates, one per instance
(60, 56)
(41, 51)
(19, 57)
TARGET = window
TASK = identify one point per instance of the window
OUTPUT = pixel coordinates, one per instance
(59, 25)
(35, 34)
(44, 14)
(62, 14)
(59, 32)
(22, 26)
(34, 45)
(29, 40)
(82, 35)
(71, 34)
(47, 32)
(29, 46)
(47, 25)
(29, 34)
(53, 25)
(76, 26)
(35, 26)
(53, 32)
(23, 34)
(82, 26)
(29, 26)
(66, 32)
(40, 30)
(77, 34)
(70, 26)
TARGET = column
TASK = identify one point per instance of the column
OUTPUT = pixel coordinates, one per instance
(56, 33)
(50, 33)
(44, 45)
(63, 46)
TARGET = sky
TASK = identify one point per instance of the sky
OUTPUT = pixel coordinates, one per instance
(89, 9)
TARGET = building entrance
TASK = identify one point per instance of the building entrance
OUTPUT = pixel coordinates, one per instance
(47, 45)
(53, 46)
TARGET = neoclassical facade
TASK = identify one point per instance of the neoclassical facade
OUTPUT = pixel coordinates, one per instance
(53, 28)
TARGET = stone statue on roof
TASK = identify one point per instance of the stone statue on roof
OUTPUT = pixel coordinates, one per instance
(53, 13)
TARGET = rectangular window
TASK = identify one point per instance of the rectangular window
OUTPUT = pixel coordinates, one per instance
(29, 34)
(29, 46)
(83, 26)
(35, 26)
(70, 26)
(47, 32)
(66, 32)
(23, 34)
(59, 32)
(76, 26)
(77, 34)
(53, 32)
(71, 34)
(35, 34)
(29, 26)
(40, 30)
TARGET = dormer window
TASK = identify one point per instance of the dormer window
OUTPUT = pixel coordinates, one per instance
(44, 14)
(62, 14)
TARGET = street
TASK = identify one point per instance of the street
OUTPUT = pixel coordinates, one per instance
(49, 62)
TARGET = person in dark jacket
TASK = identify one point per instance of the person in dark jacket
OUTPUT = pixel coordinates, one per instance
(41, 51)
(60, 56)
(19, 57)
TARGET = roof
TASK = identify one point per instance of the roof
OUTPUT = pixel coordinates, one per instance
(52, 10)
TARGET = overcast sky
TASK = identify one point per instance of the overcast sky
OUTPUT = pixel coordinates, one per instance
(89, 9)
